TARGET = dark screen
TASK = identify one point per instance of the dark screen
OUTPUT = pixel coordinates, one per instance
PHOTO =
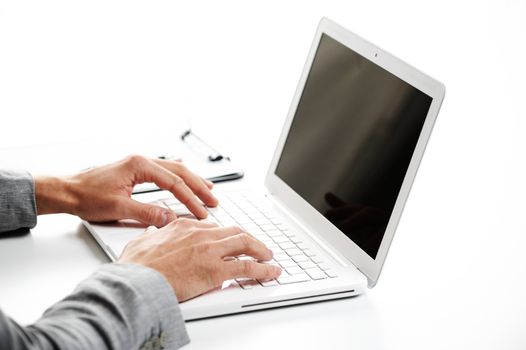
(351, 140)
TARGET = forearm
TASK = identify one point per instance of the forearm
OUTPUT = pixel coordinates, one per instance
(17, 201)
(119, 307)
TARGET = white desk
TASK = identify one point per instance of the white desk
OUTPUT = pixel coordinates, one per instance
(455, 274)
(456, 296)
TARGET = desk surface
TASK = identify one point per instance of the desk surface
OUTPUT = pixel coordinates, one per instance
(455, 274)
(450, 299)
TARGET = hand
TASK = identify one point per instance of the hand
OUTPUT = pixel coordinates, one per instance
(104, 193)
(193, 255)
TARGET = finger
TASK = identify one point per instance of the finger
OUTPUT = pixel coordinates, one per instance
(251, 269)
(167, 180)
(218, 233)
(147, 213)
(242, 243)
(192, 223)
(208, 183)
(195, 182)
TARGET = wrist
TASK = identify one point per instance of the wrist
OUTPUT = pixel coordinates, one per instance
(54, 195)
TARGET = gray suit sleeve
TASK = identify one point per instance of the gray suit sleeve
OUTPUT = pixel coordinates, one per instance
(119, 307)
(17, 201)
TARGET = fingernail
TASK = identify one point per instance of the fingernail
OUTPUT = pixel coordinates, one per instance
(277, 270)
(270, 252)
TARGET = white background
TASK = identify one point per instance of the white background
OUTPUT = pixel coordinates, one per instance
(73, 73)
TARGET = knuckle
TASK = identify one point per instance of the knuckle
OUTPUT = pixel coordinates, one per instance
(247, 267)
(150, 214)
(245, 240)
(181, 167)
(135, 160)
(216, 274)
(177, 181)
(198, 235)
(203, 248)
(185, 223)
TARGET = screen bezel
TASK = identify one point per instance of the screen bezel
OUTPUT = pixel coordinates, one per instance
(307, 215)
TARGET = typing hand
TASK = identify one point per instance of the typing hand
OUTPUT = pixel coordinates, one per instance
(191, 255)
(104, 193)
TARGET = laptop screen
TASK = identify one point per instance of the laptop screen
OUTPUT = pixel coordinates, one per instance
(351, 141)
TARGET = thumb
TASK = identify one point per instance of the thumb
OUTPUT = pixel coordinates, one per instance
(149, 214)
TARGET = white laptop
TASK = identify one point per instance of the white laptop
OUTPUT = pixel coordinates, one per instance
(335, 189)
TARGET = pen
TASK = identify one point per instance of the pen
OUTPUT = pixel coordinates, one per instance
(202, 147)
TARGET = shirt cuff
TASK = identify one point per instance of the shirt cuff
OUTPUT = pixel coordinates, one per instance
(17, 201)
(158, 297)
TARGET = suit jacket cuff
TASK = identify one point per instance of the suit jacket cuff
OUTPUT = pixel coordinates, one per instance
(168, 327)
(121, 306)
(17, 201)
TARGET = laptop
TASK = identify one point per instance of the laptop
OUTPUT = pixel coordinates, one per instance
(336, 186)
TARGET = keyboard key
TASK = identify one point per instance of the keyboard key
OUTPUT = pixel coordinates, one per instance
(287, 245)
(245, 257)
(293, 279)
(271, 262)
(294, 270)
(273, 233)
(309, 253)
(248, 284)
(288, 233)
(170, 201)
(257, 231)
(255, 215)
(180, 210)
(262, 221)
(295, 240)
(300, 258)
(293, 251)
(331, 273)
(323, 266)
(267, 227)
(307, 265)
(280, 256)
(316, 259)
(280, 239)
(287, 263)
(244, 279)
(242, 220)
(271, 245)
(316, 273)
(302, 246)
(269, 283)
(250, 227)
(228, 222)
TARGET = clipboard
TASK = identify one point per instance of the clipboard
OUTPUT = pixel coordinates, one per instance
(202, 159)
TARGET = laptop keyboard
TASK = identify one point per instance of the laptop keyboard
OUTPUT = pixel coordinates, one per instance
(298, 260)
